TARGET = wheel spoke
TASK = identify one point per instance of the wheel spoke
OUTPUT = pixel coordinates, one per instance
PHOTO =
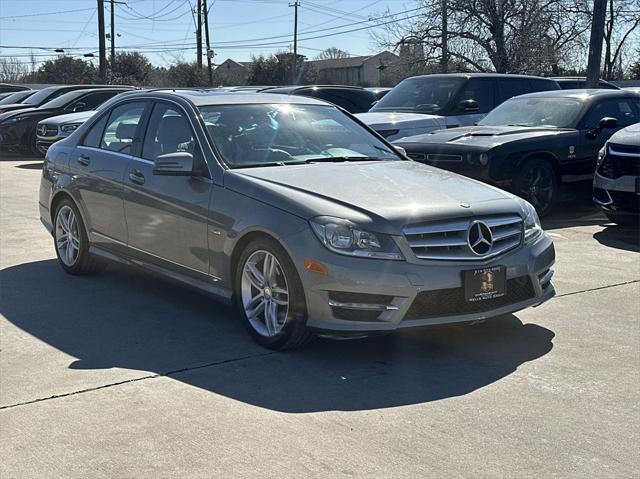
(254, 276)
(255, 311)
(267, 269)
(69, 252)
(271, 317)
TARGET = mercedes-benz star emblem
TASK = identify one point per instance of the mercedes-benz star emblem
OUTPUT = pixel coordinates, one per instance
(42, 129)
(480, 238)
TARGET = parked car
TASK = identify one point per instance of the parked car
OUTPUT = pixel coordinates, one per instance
(633, 89)
(56, 128)
(532, 143)
(575, 83)
(292, 209)
(426, 103)
(616, 185)
(45, 95)
(7, 87)
(354, 99)
(18, 127)
(379, 92)
(16, 97)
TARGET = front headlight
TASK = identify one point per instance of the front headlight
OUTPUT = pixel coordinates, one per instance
(602, 153)
(343, 237)
(71, 127)
(532, 227)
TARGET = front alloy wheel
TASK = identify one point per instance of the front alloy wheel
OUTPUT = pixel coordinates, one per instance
(537, 183)
(270, 297)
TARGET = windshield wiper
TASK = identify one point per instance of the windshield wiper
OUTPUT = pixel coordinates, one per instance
(340, 159)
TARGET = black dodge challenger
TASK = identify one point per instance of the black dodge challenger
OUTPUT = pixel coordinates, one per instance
(532, 143)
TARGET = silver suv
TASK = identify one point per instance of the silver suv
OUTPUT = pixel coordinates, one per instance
(293, 210)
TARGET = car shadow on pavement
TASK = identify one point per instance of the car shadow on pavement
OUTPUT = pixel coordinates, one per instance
(31, 166)
(621, 237)
(127, 319)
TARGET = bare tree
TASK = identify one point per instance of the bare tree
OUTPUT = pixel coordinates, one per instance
(496, 35)
(12, 70)
(332, 53)
(623, 19)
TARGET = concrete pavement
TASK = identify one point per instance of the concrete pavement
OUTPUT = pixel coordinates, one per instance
(126, 375)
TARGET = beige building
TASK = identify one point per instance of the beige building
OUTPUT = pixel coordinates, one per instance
(231, 72)
(364, 71)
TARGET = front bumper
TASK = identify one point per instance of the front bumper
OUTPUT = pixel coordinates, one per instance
(620, 195)
(362, 295)
(43, 145)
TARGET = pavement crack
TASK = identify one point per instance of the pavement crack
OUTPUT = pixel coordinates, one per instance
(135, 380)
(598, 288)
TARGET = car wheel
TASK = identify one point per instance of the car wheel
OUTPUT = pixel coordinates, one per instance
(629, 221)
(537, 183)
(270, 297)
(71, 241)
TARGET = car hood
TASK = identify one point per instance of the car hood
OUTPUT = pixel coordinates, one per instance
(627, 136)
(382, 196)
(483, 136)
(77, 117)
(15, 106)
(395, 120)
(9, 114)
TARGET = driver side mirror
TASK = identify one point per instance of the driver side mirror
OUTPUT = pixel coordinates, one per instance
(179, 163)
(468, 106)
(606, 122)
(400, 150)
(80, 106)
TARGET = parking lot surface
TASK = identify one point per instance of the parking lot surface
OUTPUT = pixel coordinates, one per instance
(125, 375)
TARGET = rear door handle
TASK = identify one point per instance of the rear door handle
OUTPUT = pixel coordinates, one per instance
(136, 177)
(84, 160)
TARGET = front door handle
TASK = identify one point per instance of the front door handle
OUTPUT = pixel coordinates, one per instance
(84, 160)
(136, 177)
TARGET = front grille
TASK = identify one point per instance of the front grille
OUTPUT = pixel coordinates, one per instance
(48, 130)
(417, 156)
(448, 240)
(620, 160)
(625, 201)
(451, 302)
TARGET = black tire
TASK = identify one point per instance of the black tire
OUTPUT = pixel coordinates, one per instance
(30, 147)
(628, 221)
(537, 182)
(294, 333)
(84, 262)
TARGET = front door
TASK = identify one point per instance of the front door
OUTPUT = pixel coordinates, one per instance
(167, 216)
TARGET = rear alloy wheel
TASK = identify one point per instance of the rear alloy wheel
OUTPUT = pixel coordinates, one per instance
(269, 296)
(71, 241)
(537, 183)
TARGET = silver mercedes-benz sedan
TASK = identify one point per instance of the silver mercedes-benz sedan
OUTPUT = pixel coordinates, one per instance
(294, 210)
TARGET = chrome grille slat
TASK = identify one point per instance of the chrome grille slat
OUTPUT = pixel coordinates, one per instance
(448, 240)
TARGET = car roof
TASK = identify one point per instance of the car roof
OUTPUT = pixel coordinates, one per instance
(480, 75)
(213, 97)
(581, 94)
(294, 88)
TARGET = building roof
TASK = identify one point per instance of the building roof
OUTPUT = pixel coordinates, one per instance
(348, 62)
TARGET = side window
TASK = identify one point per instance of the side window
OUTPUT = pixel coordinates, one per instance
(480, 90)
(94, 135)
(168, 132)
(510, 87)
(121, 127)
(541, 85)
(93, 100)
(625, 110)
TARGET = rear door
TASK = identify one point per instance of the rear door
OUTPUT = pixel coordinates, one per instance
(167, 216)
(100, 161)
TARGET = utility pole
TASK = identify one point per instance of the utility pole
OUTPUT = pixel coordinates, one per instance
(113, 36)
(444, 65)
(101, 42)
(206, 34)
(595, 43)
(295, 6)
(199, 34)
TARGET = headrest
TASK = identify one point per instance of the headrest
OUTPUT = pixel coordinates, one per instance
(174, 130)
(126, 131)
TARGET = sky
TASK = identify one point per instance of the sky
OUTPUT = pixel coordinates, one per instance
(164, 29)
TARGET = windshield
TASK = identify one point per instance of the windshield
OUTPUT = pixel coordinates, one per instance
(279, 134)
(63, 100)
(420, 95)
(16, 97)
(37, 98)
(547, 112)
